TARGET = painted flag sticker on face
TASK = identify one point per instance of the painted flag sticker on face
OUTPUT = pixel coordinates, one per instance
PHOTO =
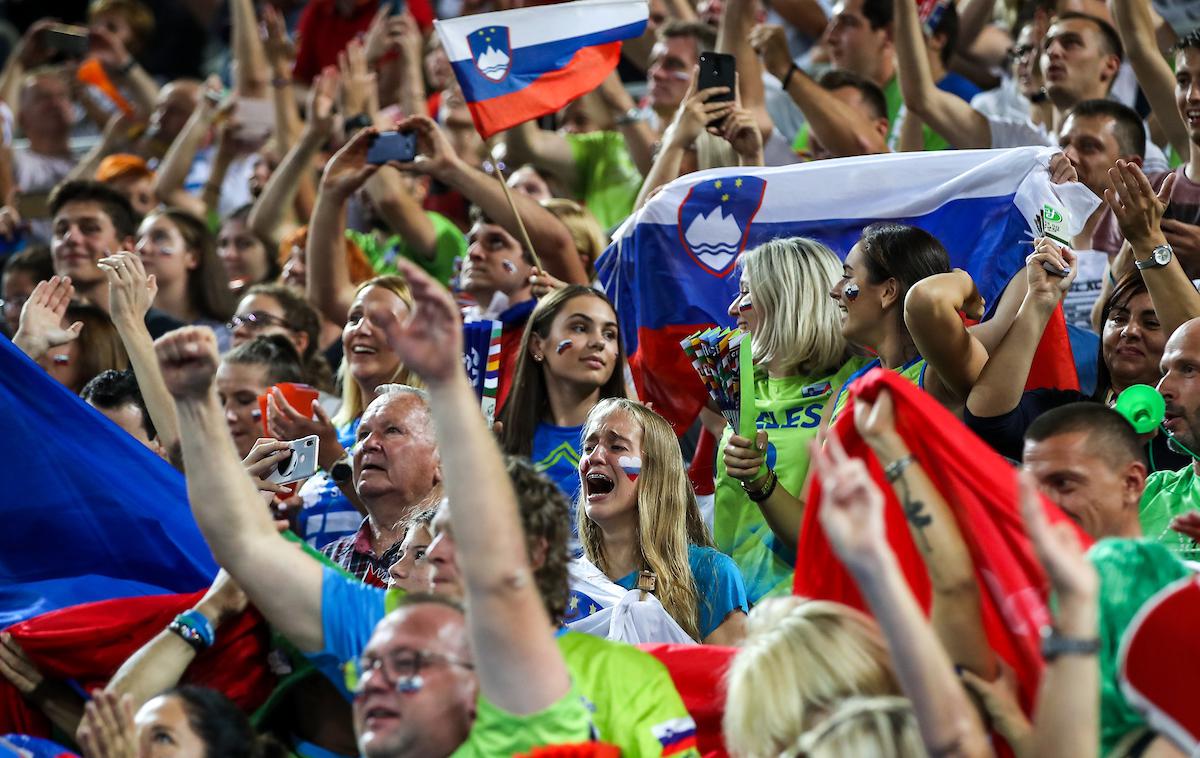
(631, 465)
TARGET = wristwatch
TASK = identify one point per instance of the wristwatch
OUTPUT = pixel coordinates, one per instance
(1159, 257)
(1055, 644)
(357, 122)
(341, 470)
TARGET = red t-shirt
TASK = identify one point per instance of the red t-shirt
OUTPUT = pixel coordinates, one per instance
(323, 32)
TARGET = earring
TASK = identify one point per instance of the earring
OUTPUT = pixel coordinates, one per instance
(537, 358)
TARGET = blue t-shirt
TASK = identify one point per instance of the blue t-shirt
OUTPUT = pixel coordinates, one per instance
(556, 454)
(327, 515)
(957, 84)
(719, 587)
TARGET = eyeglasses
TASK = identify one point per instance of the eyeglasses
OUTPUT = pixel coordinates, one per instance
(1019, 52)
(256, 320)
(401, 665)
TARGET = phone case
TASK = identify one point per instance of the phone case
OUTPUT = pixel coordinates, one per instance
(392, 146)
(717, 70)
(301, 464)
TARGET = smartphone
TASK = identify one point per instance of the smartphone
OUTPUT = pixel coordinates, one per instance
(301, 464)
(396, 6)
(255, 118)
(392, 146)
(299, 396)
(71, 41)
(717, 70)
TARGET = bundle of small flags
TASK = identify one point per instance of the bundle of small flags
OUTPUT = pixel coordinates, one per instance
(716, 355)
(481, 356)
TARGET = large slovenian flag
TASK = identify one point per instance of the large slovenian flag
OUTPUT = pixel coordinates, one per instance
(517, 65)
(672, 267)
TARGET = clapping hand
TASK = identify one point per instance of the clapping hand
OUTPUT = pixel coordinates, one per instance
(130, 291)
(107, 729)
(1139, 210)
(41, 319)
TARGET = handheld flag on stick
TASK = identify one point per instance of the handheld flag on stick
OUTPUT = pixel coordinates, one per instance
(481, 356)
(517, 65)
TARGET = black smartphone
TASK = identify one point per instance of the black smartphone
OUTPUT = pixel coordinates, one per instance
(717, 70)
(392, 146)
(396, 6)
(71, 41)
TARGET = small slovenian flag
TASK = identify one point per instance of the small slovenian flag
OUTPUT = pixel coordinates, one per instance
(676, 736)
(631, 465)
(517, 65)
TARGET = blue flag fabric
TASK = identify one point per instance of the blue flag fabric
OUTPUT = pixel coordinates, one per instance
(672, 268)
(88, 512)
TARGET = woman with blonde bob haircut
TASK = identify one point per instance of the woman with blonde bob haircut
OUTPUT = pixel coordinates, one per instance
(800, 362)
(864, 726)
(640, 525)
(800, 658)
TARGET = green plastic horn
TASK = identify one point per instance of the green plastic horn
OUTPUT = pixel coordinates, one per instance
(1142, 406)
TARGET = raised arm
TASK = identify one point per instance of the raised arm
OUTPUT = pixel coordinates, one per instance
(41, 327)
(130, 294)
(329, 287)
(931, 315)
(1067, 718)
(639, 137)
(852, 517)
(947, 114)
(281, 581)
(27, 53)
(733, 38)
(251, 74)
(123, 68)
(173, 170)
(277, 196)
(1001, 383)
(281, 57)
(840, 128)
(115, 136)
(956, 614)
(550, 237)
(1139, 212)
(520, 667)
(548, 151)
(1135, 25)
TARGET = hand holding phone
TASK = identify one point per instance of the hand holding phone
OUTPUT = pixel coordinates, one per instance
(718, 70)
(301, 464)
(392, 146)
(71, 41)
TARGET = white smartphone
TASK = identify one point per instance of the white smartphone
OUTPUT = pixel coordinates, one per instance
(301, 464)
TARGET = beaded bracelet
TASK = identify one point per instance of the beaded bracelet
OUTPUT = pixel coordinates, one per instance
(194, 628)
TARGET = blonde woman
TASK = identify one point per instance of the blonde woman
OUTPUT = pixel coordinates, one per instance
(864, 726)
(800, 363)
(639, 523)
(799, 659)
(328, 513)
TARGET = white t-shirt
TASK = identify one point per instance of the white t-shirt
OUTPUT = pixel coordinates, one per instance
(34, 172)
(1004, 102)
(1013, 133)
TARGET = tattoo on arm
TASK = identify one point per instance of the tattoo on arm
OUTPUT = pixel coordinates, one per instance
(914, 511)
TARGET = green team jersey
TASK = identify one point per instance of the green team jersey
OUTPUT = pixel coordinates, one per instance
(449, 247)
(606, 179)
(634, 703)
(496, 732)
(1169, 494)
(913, 371)
(789, 410)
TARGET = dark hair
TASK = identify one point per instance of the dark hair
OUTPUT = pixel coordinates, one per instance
(222, 726)
(1129, 129)
(301, 317)
(115, 205)
(947, 26)
(1109, 434)
(837, 78)
(1112, 40)
(112, 389)
(138, 15)
(906, 253)
(1127, 289)
(477, 215)
(545, 517)
(1190, 41)
(275, 352)
(35, 261)
(208, 286)
(529, 402)
(703, 34)
(270, 247)
(878, 13)
(410, 599)
(99, 347)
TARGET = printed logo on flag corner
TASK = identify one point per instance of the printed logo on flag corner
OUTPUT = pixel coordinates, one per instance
(715, 218)
(491, 51)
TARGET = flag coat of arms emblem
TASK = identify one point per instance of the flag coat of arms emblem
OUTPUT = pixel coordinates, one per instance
(491, 52)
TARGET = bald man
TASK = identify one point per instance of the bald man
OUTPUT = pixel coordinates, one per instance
(1170, 507)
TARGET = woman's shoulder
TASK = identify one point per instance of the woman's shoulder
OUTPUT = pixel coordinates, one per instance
(709, 560)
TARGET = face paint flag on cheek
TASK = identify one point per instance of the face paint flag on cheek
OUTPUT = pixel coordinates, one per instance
(745, 304)
(631, 465)
(508, 265)
(564, 346)
(850, 292)
(256, 415)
